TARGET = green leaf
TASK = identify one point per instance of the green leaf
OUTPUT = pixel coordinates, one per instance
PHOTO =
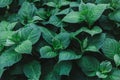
(54, 20)
(89, 65)
(52, 76)
(32, 70)
(4, 3)
(1, 47)
(68, 55)
(63, 68)
(95, 30)
(74, 17)
(115, 75)
(85, 43)
(1, 72)
(8, 58)
(51, 4)
(30, 32)
(6, 26)
(47, 35)
(105, 67)
(103, 1)
(115, 4)
(97, 40)
(117, 59)
(91, 48)
(61, 41)
(64, 12)
(92, 12)
(110, 48)
(4, 38)
(24, 47)
(115, 15)
(26, 12)
(101, 75)
(47, 52)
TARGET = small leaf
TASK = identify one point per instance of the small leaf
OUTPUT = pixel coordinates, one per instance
(1, 72)
(4, 38)
(85, 42)
(47, 52)
(74, 17)
(101, 75)
(6, 26)
(91, 48)
(105, 67)
(47, 35)
(61, 41)
(54, 20)
(68, 55)
(52, 76)
(95, 30)
(24, 47)
(117, 59)
(51, 4)
(63, 68)
(32, 70)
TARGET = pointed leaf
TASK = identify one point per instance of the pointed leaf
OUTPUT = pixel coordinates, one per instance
(24, 47)
(32, 70)
(74, 17)
(68, 55)
(47, 52)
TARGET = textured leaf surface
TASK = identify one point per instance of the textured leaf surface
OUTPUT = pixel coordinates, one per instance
(33, 70)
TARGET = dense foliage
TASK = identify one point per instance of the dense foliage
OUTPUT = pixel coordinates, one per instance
(59, 39)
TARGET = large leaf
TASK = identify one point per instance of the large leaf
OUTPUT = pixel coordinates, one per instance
(115, 75)
(68, 55)
(26, 11)
(4, 3)
(47, 52)
(63, 68)
(92, 12)
(32, 70)
(89, 65)
(97, 40)
(74, 17)
(115, 15)
(30, 32)
(8, 58)
(24, 47)
(110, 48)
